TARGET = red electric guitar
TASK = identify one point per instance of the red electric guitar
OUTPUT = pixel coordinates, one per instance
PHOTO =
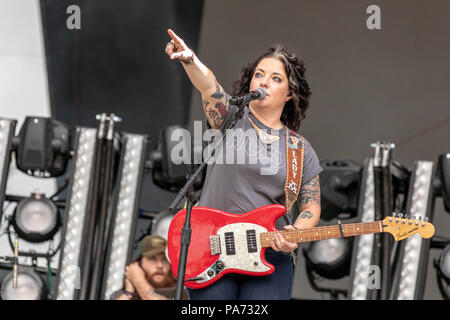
(223, 242)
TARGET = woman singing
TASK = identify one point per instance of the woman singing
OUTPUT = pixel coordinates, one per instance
(244, 186)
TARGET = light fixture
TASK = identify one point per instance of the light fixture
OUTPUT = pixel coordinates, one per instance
(161, 223)
(42, 147)
(173, 159)
(443, 175)
(339, 183)
(6, 134)
(76, 211)
(444, 263)
(330, 258)
(415, 253)
(363, 245)
(125, 212)
(30, 286)
(36, 218)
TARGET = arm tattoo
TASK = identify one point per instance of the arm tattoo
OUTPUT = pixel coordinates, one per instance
(219, 92)
(214, 116)
(310, 192)
(305, 214)
(205, 103)
(217, 113)
(221, 108)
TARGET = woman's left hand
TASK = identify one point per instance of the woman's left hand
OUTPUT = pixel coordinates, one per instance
(279, 244)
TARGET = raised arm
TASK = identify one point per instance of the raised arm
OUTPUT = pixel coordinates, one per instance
(214, 100)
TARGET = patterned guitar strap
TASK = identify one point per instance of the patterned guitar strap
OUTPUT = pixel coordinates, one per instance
(294, 170)
(294, 167)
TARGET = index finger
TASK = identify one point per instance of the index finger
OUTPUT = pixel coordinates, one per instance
(174, 37)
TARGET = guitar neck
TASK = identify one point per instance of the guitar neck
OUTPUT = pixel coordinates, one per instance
(323, 233)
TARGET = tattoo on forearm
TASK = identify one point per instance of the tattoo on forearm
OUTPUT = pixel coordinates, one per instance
(214, 116)
(305, 215)
(217, 113)
(310, 192)
(205, 103)
(219, 94)
(222, 109)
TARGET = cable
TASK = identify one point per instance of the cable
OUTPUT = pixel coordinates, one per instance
(61, 189)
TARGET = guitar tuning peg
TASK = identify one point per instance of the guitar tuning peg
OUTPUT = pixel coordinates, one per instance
(400, 215)
(420, 218)
(406, 216)
(425, 219)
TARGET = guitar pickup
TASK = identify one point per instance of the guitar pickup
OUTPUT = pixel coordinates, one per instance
(214, 243)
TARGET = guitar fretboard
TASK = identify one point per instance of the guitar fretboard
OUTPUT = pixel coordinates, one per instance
(323, 233)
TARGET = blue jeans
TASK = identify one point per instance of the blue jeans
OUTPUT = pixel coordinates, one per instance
(276, 286)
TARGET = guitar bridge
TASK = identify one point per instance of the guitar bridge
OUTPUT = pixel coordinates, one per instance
(214, 243)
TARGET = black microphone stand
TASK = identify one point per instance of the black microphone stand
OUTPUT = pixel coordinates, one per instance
(188, 192)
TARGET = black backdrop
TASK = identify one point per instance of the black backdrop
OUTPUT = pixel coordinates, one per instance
(115, 63)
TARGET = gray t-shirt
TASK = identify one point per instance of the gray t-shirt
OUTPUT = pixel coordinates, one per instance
(250, 172)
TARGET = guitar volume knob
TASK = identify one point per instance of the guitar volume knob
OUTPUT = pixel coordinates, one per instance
(220, 265)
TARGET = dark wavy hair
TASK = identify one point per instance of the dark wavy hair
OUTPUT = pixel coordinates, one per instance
(295, 109)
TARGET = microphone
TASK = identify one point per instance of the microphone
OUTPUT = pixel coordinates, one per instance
(257, 94)
(16, 262)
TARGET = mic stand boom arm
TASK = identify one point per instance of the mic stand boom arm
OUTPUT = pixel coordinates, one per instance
(188, 192)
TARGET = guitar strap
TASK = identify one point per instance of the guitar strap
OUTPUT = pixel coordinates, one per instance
(294, 171)
(294, 167)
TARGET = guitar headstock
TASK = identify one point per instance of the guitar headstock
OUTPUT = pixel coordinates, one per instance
(403, 227)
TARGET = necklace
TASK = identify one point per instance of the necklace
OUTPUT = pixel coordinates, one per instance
(264, 136)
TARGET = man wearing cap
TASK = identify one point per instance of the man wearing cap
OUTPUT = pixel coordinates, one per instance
(148, 276)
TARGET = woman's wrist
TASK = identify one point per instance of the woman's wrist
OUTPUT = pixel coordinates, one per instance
(129, 294)
(188, 61)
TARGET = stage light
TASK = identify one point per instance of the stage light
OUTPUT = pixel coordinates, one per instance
(330, 258)
(363, 245)
(415, 253)
(339, 183)
(42, 147)
(444, 263)
(36, 219)
(30, 286)
(6, 134)
(76, 209)
(443, 174)
(132, 165)
(161, 223)
(172, 160)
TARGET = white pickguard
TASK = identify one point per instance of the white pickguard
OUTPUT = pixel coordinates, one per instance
(242, 259)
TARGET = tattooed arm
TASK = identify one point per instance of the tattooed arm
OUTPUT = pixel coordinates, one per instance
(309, 204)
(214, 100)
